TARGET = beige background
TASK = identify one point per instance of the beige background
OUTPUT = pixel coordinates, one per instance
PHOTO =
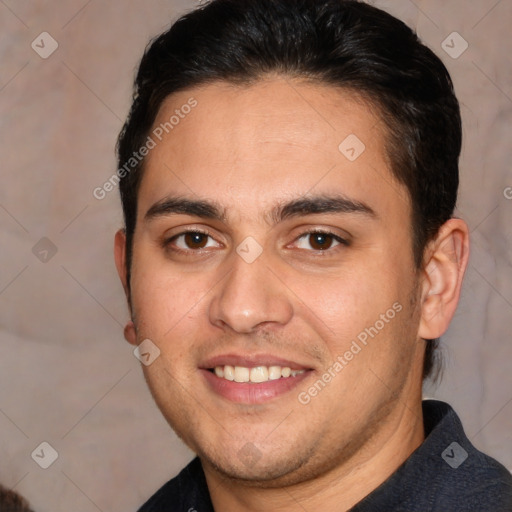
(66, 375)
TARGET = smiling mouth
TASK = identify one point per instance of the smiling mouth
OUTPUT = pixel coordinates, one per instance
(256, 374)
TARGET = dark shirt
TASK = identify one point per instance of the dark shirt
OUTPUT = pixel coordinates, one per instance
(445, 474)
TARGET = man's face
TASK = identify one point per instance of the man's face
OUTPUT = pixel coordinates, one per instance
(300, 258)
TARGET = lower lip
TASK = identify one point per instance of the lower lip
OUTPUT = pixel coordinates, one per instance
(252, 393)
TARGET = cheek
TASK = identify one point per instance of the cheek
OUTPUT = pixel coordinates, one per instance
(163, 300)
(360, 302)
(351, 298)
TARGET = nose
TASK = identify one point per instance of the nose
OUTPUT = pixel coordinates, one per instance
(250, 296)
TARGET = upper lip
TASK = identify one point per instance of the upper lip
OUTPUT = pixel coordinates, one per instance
(251, 361)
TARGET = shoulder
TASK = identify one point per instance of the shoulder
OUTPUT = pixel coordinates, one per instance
(479, 484)
(445, 473)
(465, 477)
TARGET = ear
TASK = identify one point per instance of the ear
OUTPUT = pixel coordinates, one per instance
(120, 258)
(444, 268)
(130, 333)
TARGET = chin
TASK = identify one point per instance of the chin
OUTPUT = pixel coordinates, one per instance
(273, 471)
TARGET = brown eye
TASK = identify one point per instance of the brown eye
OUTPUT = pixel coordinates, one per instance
(192, 241)
(319, 241)
(195, 240)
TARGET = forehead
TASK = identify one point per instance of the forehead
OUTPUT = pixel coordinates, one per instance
(250, 147)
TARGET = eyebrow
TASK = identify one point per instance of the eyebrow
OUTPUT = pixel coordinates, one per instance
(179, 205)
(320, 204)
(295, 208)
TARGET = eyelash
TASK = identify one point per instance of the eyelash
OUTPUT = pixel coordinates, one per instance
(167, 242)
(337, 238)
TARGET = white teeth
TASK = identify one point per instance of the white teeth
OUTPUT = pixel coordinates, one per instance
(241, 374)
(274, 372)
(229, 372)
(259, 374)
(255, 374)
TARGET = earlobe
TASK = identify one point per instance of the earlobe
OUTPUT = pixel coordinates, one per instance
(444, 270)
(130, 335)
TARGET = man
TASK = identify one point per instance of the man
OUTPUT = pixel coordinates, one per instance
(289, 171)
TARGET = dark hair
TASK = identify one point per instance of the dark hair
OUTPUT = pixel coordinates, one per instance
(10, 501)
(344, 43)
